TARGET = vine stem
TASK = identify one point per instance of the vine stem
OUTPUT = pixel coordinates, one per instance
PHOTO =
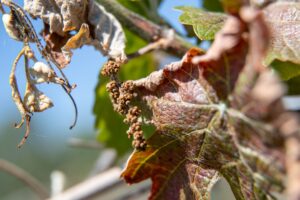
(162, 43)
(25, 177)
(144, 28)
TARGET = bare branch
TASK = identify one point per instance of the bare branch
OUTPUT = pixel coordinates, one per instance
(162, 43)
(79, 143)
(144, 28)
(25, 177)
(91, 186)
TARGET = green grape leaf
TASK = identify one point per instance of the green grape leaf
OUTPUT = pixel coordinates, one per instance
(205, 24)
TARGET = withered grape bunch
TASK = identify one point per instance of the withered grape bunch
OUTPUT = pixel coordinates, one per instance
(19, 27)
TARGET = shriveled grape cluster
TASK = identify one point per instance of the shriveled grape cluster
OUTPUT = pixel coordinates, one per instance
(121, 95)
(19, 27)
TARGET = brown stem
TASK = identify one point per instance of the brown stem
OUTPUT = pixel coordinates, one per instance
(1, 9)
(25, 177)
(162, 43)
(144, 28)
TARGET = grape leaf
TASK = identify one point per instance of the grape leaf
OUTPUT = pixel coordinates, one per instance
(283, 19)
(214, 113)
(177, 178)
(205, 24)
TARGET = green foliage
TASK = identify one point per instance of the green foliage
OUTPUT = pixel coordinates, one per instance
(214, 5)
(112, 130)
(293, 86)
(286, 70)
(205, 24)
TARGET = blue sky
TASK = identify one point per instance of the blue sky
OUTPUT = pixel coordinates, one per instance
(52, 125)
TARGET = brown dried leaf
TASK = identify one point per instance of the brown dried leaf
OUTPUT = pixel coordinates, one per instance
(76, 41)
(35, 100)
(54, 44)
(93, 24)
(62, 16)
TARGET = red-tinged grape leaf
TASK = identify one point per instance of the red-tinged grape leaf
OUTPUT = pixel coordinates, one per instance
(217, 111)
(180, 176)
(283, 19)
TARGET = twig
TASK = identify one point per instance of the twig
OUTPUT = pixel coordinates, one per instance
(79, 143)
(106, 159)
(58, 182)
(91, 186)
(25, 177)
(162, 43)
(1, 9)
(144, 28)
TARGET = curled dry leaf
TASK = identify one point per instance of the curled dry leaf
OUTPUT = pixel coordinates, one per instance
(13, 33)
(62, 16)
(211, 118)
(76, 41)
(93, 24)
(42, 73)
(35, 100)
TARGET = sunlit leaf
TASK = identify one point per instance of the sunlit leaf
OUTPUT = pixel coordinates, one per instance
(208, 118)
(283, 19)
(205, 24)
(178, 177)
